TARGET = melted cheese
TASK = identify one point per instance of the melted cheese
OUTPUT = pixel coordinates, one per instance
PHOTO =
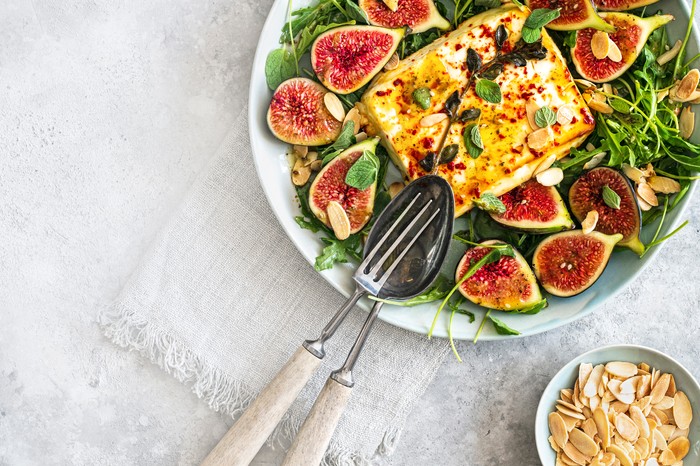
(506, 161)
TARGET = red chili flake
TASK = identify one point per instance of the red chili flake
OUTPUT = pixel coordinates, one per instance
(427, 143)
(587, 117)
(459, 166)
(382, 93)
(506, 170)
(413, 131)
(526, 95)
(458, 46)
(501, 136)
(507, 47)
(574, 120)
(451, 166)
(540, 89)
(397, 82)
(513, 120)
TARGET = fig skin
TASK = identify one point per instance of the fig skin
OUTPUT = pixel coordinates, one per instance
(568, 263)
(346, 58)
(510, 281)
(298, 115)
(329, 185)
(535, 209)
(418, 15)
(585, 195)
(632, 32)
(621, 5)
(574, 15)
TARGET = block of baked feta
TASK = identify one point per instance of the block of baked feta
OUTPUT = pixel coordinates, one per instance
(507, 160)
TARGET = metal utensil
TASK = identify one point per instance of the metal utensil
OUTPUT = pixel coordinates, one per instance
(410, 238)
(395, 269)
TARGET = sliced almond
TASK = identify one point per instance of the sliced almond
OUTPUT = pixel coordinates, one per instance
(594, 161)
(395, 188)
(338, 219)
(661, 95)
(665, 403)
(432, 119)
(393, 62)
(575, 455)
(300, 173)
(630, 385)
(591, 386)
(621, 455)
(565, 394)
(659, 415)
(354, 116)
(334, 106)
(589, 428)
(569, 421)
(651, 462)
(598, 103)
(316, 165)
(553, 444)
(688, 84)
(538, 140)
(569, 405)
(640, 421)
(621, 369)
(648, 195)
(570, 412)
(558, 429)
(634, 174)
(614, 387)
(545, 164)
(583, 442)
(678, 433)
(565, 115)
(667, 431)
(658, 391)
(643, 386)
(614, 52)
(361, 136)
(659, 442)
(682, 411)
(669, 54)
(644, 205)
(602, 425)
(593, 402)
(589, 223)
(600, 44)
(686, 123)
(585, 84)
(643, 447)
(626, 427)
(300, 151)
(550, 177)
(667, 457)
(671, 387)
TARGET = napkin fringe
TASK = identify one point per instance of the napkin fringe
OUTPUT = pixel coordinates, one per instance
(222, 393)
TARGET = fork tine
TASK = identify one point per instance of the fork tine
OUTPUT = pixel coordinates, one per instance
(393, 266)
(381, 241)
(398, 240)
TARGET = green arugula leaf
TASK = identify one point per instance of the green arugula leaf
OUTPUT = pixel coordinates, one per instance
(489, 91)
(501, 327)
(437, 291)
(531, 35)
(309, 35)
(517, 3)
(337, 251)
(363, 172)
(545, 116)
(535, 308)
(345, 140)
(490, 203)
(279, 67)
(356, 12)
(454, 306)
(421, 96)
(611, 198)
(619, 106)
(540, 17)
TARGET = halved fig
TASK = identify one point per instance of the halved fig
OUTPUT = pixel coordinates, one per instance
(573, 15)
(298, 115)
(348, 57)
(586, 195)
(534, 208)
(329, 185)
(419, 15)
(621, 5)
(570, 262)
(631, 33)
(506, 285)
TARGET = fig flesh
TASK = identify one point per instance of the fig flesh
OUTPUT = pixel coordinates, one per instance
(568, 263)
(346, 58)
(534, 208)
(586, 195)
(573, 15)
(621, 5)
(419, 15)
(329, 185)
(631, 33)
(506, 285)
(298, 115)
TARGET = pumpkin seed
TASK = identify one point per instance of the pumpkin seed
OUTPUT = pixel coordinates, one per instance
(433, 119)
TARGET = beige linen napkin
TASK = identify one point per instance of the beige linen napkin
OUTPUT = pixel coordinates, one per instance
(222, 299)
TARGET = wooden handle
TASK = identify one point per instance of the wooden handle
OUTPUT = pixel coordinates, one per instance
(315, 434)
(244, 439)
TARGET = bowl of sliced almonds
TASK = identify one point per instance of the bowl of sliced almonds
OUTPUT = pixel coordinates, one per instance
(622, 405)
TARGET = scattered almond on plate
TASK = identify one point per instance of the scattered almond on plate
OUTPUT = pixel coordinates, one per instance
(621, 414)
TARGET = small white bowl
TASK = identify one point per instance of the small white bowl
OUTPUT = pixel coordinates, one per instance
(566, 378)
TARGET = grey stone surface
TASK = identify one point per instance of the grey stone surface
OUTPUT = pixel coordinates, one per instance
(109, 109)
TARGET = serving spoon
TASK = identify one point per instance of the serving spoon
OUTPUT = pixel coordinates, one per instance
(402, 257)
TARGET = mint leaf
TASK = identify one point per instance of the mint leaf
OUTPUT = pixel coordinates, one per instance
(473, 150)
(619, 106)
(363, 172)
(489, 91)
(611, 198)
(356, 13)
(502, 328)
(540, 17)
(476, 136)
(490, 203)
(544, 117)
(279, 67)
(530, 35)
(421, 97)
(346, 138)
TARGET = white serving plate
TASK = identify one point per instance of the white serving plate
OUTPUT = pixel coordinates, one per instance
(274, 172)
